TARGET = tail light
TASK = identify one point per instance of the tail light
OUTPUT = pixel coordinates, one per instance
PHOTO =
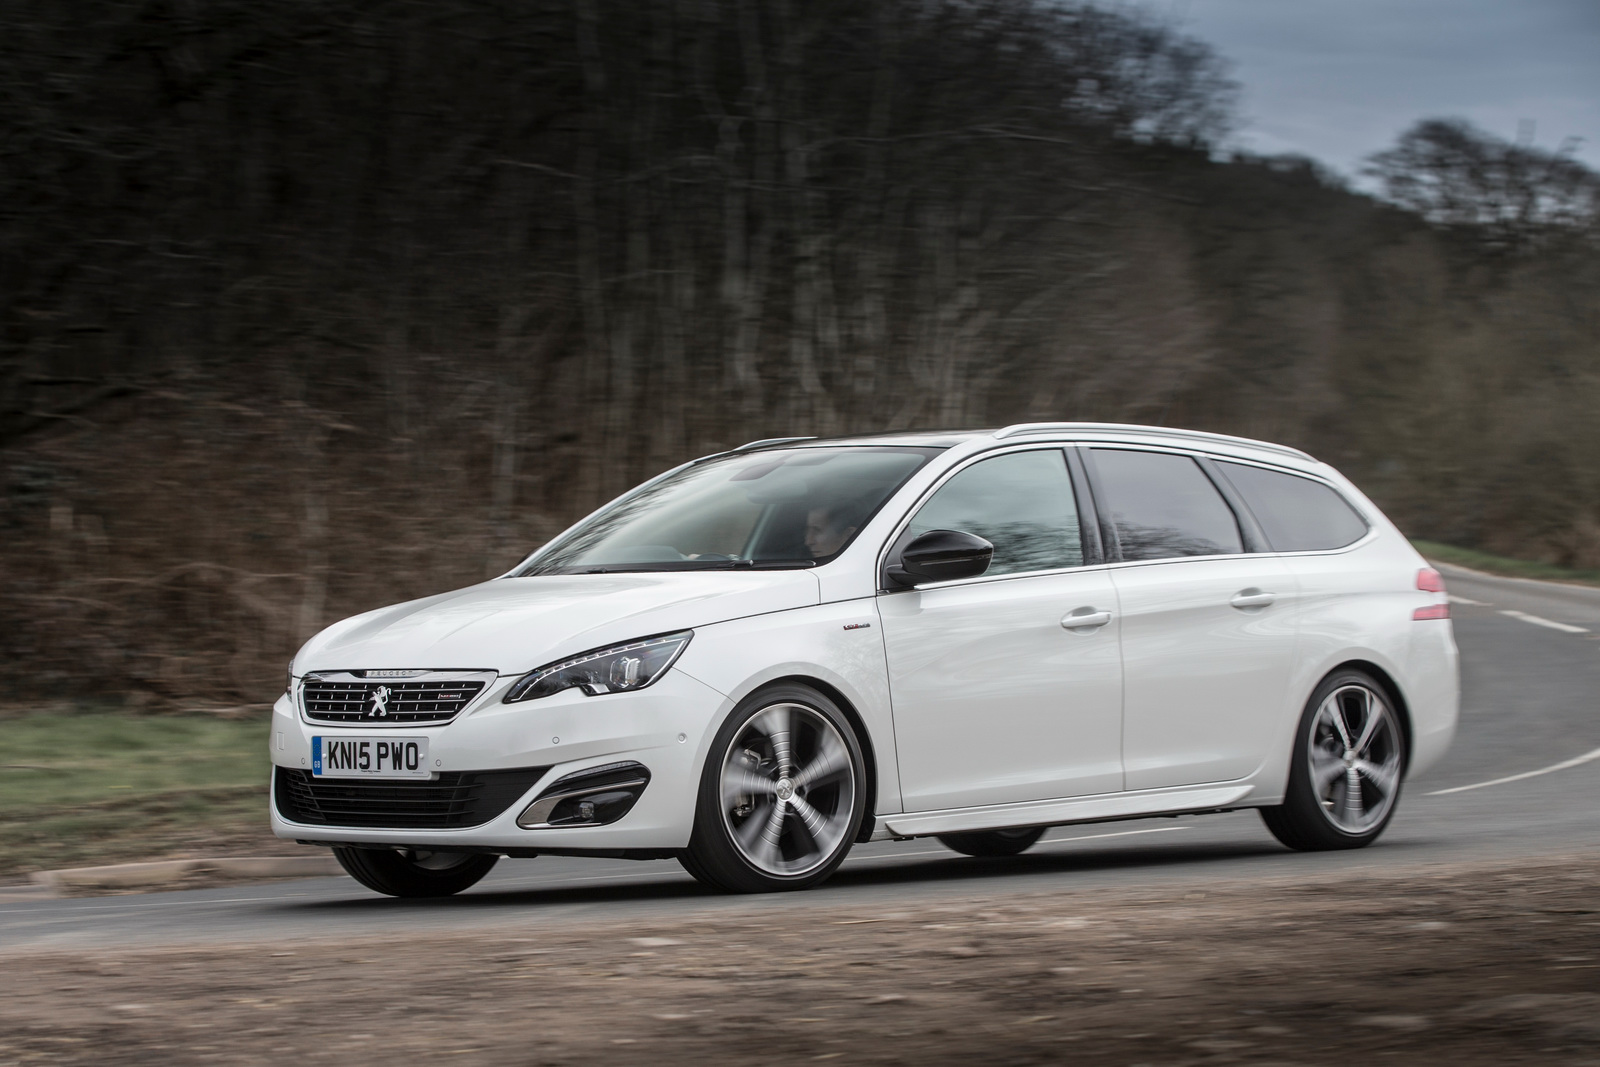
(1431, 581)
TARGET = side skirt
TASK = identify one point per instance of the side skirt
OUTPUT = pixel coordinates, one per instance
(1103, 807)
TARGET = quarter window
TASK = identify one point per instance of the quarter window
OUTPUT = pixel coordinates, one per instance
(1022, 503)
(1163, 505)
(1297, 514)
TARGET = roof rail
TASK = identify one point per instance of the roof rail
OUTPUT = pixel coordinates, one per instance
(1150, 431)
(767, 442)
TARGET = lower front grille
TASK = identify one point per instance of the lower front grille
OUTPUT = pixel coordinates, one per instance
(454, 800)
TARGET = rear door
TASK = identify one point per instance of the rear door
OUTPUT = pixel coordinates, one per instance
(1207, 637)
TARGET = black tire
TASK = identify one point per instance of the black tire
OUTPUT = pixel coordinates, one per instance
(822, 735)
(414, 874)
(1339, 816)
(993, 842)
(687, 861)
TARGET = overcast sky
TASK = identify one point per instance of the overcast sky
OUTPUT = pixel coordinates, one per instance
(1339, 79)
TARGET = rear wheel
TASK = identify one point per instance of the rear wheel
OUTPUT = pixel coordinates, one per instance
(993, 842)
(782, 795)
(1349, 758)
(412, 872)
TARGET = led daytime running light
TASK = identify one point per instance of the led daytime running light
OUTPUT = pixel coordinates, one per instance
(615, 669)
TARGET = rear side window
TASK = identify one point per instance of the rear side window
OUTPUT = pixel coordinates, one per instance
(1163, 506)
(1297, 514)
(1021, 503)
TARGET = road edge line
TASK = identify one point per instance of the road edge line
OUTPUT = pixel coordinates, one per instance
(1563, 765)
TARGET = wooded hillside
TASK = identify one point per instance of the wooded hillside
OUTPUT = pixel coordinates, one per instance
(308, 307)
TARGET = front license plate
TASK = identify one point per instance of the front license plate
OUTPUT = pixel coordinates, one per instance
(370, 757)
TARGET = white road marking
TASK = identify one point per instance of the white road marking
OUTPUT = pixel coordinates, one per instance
(1566, 628)
(1465, 600)
(1563, 765)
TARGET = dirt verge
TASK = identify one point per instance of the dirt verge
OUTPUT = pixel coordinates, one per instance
(1467, 967)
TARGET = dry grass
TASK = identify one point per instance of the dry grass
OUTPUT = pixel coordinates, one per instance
(89, 789)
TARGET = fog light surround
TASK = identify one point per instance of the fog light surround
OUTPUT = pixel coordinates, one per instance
(592, 797)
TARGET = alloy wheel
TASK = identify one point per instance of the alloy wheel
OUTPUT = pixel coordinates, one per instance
(1354, 750)
(787, 789)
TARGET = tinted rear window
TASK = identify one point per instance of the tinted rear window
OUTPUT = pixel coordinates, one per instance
(1163, 505)
(1297, 514)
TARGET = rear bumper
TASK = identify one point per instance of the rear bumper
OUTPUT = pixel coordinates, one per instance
(665, 727)
(1433, 692)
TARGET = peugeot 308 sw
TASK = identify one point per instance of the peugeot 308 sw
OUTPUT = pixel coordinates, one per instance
(759, 658)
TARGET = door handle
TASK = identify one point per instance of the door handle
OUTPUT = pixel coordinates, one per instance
(1246, 599)
(1085, 619)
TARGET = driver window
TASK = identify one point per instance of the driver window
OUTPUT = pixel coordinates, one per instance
(1022, 503)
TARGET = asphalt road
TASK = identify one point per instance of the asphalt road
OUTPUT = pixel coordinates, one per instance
(1530, 674)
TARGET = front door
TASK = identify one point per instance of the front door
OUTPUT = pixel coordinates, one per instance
(997, 696)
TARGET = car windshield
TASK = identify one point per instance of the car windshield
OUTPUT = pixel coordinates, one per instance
(795, 507)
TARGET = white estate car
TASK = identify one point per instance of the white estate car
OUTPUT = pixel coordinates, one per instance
(759, 658)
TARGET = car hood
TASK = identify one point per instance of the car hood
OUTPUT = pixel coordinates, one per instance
(513, 625)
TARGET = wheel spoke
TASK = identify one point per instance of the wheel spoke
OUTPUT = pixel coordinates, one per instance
(1343, 728)
(1324, 772)
(1375, 716)
(813, 820)
(826, 765)
(772, 833)
(777, 723)
(748, 833)
(1380, 775)
(1353, 810)
(739, 782)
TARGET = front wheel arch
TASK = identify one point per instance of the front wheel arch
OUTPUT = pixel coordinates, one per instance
(869, 751)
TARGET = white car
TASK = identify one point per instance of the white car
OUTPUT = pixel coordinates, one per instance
(759, 658)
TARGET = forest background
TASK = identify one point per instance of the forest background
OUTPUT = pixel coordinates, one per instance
(309, 307)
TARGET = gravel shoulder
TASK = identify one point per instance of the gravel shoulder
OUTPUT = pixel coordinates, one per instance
(1482, 964)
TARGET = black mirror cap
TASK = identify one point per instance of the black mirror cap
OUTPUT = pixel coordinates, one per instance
(942, 556)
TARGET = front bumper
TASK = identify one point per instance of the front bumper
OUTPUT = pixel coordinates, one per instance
(666, 727)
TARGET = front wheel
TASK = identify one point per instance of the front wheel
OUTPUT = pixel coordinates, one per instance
(412, 872)
(1349, 759)
(993, 842)
(782, 795)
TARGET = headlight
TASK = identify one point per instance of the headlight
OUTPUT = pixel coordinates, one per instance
(618, 669)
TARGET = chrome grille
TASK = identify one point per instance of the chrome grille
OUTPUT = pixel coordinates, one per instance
(346, 698)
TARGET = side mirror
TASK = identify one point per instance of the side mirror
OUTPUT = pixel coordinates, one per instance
(941, 556)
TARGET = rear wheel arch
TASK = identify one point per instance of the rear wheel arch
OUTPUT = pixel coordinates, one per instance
(1396, 695)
